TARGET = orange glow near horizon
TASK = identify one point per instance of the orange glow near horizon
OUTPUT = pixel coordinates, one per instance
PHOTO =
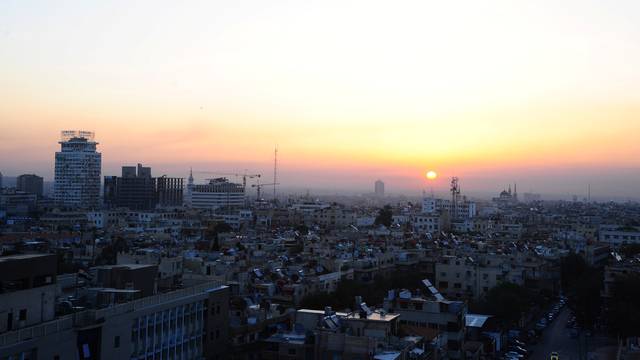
(483, 92)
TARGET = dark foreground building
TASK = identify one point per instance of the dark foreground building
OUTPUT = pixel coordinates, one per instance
(136, 189)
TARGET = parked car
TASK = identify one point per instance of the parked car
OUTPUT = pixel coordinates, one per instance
(519, 350)
(517, 342)
(514, 354)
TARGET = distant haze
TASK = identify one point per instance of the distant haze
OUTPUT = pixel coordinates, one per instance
(542, 93)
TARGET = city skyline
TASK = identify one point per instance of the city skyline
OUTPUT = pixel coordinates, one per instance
(345, 179)
(550, 103)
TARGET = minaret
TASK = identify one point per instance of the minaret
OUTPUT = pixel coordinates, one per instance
(515, 192)
(189, 187)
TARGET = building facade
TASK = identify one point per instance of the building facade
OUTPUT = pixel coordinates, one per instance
(218, 193)
(77, 171)
(465, 209)
(17, 203)
(419, 312)
(30, 183)
(618, 235)
(136, 189)
(379, 188)
(190, 323)
(170, 191)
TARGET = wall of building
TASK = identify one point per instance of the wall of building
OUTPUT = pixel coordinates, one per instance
(27, 307)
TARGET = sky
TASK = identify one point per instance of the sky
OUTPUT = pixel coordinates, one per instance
(542, 93)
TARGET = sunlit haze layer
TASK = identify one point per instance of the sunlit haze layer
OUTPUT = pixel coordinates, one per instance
(542, 93)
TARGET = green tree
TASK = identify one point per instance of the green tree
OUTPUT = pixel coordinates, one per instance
(214, 233)
(508, 302)
(582, 284)
(109, 253)
(385, 216)
(623, 311)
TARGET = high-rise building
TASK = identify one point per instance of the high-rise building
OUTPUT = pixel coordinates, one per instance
(379, 188)
(0, 180)
(77, 172)
(30, 183)
(135, 189)
(170, 191)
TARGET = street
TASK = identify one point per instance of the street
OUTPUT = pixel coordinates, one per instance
(556, 338)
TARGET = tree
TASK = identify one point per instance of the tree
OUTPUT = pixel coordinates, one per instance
(630, 250)
(582, 285)
(302, 229)
(507, 302)
(624, 307)
(372, 294)
(109, 254)
(385, 216)
(219, 228)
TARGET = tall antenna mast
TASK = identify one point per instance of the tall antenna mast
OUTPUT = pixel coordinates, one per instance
(275, 171)
(455, 193)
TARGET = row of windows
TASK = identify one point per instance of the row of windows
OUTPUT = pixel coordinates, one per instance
(485, 276)
(623, 237)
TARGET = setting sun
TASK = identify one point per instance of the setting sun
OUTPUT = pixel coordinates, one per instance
(432, 175)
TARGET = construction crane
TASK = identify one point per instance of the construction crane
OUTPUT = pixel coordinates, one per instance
(245, 176)
(259, 186)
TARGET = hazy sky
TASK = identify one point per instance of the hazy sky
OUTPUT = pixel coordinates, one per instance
(545, 93)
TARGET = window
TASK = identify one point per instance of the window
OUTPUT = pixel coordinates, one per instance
(116, 342)
(22, 315)
(292, 351)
